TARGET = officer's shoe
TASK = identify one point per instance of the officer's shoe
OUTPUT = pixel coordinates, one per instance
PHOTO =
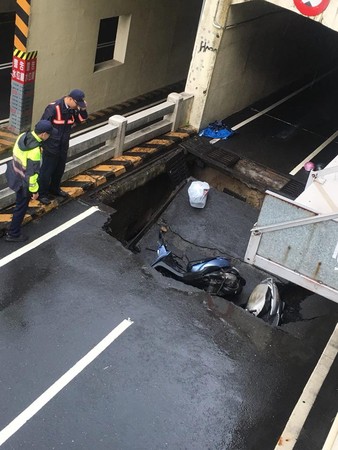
(60, 193)
(20, 238)
(44, 200)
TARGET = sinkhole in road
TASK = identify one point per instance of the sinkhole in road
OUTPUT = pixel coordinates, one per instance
(138, 209)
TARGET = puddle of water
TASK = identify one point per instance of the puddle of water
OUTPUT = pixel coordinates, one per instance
(293, 296)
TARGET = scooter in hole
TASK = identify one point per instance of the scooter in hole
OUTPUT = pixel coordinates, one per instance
(215, 275)
(265, 302)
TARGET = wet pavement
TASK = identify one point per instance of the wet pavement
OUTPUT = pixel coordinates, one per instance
(190, 372)
(287, 134)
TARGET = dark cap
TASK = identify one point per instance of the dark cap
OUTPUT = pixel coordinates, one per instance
(78, 96)
(44, 126)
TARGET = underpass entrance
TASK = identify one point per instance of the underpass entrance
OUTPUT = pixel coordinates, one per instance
(246, 51)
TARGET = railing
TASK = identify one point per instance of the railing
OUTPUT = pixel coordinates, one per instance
(297, 244)
(111, 140)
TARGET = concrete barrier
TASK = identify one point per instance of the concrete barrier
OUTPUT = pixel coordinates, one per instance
(120, 134)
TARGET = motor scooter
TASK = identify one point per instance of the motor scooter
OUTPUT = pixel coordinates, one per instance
(215, 275)
(265, 302)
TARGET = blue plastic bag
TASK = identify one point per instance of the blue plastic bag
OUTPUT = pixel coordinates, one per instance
(217, 130)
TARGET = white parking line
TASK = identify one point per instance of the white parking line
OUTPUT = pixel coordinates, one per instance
(302, 409)
(314, 153)
(26, 248)
(44, 398)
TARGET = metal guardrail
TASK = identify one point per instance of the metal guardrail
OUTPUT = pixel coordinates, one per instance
(297, 244)
(120, 134)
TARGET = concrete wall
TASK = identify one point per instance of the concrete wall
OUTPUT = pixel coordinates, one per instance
(7, 6)
(160, 43)
(264, 48)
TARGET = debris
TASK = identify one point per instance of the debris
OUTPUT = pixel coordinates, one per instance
(217, 130)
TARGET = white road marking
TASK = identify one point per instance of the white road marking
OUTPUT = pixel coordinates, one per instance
(26, 248)
(314, 153)
(331, 442)
(297, 419)
(41, 401)
(269, 108)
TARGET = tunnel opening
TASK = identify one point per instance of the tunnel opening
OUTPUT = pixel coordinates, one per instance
(265, 48)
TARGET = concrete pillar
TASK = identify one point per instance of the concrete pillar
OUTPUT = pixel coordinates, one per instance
(176, 115)
(121, 122)
(208, 39)
(23, 72)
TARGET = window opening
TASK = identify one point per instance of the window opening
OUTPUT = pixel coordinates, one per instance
(106, 39)
(112, 42)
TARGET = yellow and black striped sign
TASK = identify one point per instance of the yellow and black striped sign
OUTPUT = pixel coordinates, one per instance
(23, 10)
(25, 55)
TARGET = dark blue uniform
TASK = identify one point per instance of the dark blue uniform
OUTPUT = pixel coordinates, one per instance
(55, 150)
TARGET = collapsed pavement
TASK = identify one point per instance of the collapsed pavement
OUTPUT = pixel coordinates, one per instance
(222, 228)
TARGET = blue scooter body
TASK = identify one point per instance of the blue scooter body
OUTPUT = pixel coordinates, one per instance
(212, 274)
(209, 264)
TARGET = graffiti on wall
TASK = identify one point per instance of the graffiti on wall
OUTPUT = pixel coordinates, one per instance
(204, 47)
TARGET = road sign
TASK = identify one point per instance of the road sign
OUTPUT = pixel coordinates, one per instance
(22, 90)
(311, 7)
(24, 66)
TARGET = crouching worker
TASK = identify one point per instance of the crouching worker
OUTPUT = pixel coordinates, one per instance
(22, 174)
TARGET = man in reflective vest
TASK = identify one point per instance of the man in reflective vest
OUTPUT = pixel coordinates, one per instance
(63, 114)
(22, 174)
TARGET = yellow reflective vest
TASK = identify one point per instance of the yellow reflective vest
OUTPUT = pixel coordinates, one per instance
(23, 170)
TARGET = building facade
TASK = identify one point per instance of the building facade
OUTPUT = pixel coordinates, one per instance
(113, 50)
(231, 52)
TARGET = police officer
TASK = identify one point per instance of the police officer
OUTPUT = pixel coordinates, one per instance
(63, 114)
(22, 174)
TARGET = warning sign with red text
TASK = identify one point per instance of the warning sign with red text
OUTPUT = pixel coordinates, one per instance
(24, 67)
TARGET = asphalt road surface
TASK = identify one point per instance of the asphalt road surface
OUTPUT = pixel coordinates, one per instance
(100, 351)
(289, 127)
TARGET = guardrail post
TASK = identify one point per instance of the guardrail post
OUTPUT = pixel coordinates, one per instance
(121, 123)
(175, 117)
